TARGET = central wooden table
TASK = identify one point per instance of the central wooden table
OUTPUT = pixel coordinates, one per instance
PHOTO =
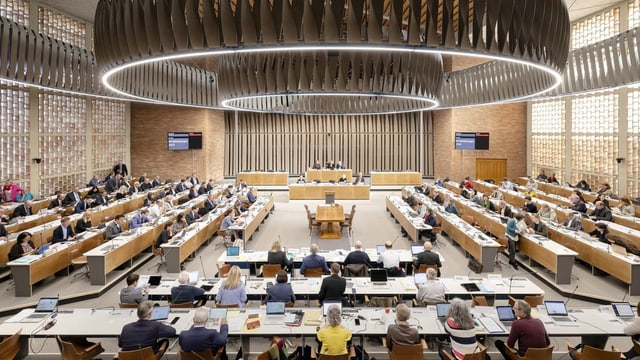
(330, 217)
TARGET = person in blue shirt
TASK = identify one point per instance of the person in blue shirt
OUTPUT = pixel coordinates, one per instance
(429, 219)
(199, 338)
(314, 260)
(83, 205)
(282, 290)
(513, 229)
(24, 195)
(139, 219)
(251, 197)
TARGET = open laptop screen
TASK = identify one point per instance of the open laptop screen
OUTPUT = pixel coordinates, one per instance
(622, 309)
(420, 278)
(416, 249)
(47, 304)
(160, 313)
(380, 249)
(275, 308)
(378, 275)
(555, 308)
(442, 309)
(505, 313)
(233, 251)
(154, 280)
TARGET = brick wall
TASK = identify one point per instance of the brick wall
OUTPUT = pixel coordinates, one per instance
(149, 127)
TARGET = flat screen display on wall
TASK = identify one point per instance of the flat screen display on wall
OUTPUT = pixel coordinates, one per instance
(472, 141)
(184, 141)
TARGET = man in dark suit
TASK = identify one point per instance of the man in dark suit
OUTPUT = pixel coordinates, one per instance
(115, 227)
(121, 169)
(135, 188)
(184, 292)
(192, 216)
(428, 257)
(23, 209)
(144, 332)
(83, 205)
(199, 338)
(146, 185)
(73, 197)
(210, 203)
(58, 202)
(101, 199)
(156, 182)
(194, 179)
(64, 232)
(333, 286)
(113, 184)
(357, 256)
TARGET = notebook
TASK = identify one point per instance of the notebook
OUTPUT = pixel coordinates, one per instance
(160, 313)
(506, 314)
(327, 304)
(233, 251)
(44, 248)
(623, 310)
(378, 277)
(45, 307)
(380, 249)
(557, 310)
(275, 313)
(416, 249)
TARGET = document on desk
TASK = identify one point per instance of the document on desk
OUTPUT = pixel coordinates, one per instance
(491, 325)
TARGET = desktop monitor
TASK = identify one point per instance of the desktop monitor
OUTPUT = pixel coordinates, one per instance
(327, 304)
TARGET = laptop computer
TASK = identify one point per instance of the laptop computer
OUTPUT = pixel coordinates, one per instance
(154, 280)
(380, 249)
(233, 251)
(160, 313)
(193, 277)
(378, 277)
(143, 280)
(45, 307)
(442, 310)
(327, 304)
(274, 313)
(420, 278)
(416, 249)
(623, 311)
(557, 310)
(506, 314)
(215, 315)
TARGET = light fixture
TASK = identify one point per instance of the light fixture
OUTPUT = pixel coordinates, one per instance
(330, 56)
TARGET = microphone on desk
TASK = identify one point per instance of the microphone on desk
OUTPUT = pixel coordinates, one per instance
(625, 296)
(571, 295)
(113, 308)
(396, 239)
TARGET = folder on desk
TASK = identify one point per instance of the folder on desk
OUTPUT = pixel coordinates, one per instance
(312, 318)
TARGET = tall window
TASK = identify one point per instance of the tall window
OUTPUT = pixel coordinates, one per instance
(634, 13)
(109, 135)
(633, 141)
(14, 135)
(596, 28)
(547, 136)
(61, 27)
(15, 10)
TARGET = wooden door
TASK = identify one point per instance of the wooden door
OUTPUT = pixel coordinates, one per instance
(495, 169)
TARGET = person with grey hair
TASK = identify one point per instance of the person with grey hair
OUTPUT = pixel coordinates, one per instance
(199, 338)
(144, 332)
(431, 292)
(461, 329)
(401, 332)
(314, 260)
(333, 338)
(184, 292)
(572, 222)
(601, 212)
(526, 331)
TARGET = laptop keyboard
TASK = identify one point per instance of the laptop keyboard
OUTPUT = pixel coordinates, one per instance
(379, 283)
(562, 318)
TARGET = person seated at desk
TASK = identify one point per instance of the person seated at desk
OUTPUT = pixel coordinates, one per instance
(281, 290)
(316, 165)
(547, 214)
(146, 184)
(115, 227)
(184, 292)
(531, 184)
(359, 180)
(228, 192)
(193, 192)
(156, 181)
(461, 329)
(401, 332)
(505, 209)
(487, 204)
(192, 216)
(625, 207)
(23, 246)
(541, 175)
(537, 227)
(390, 260)
(633, 330)
(4, 219)
(144, 332)
(582, 185)
(102, 199)
(275, 255)
(450, 207)
(601, 212)
(83, 224)
(83, 205)
(528, 332)
(339, 165)
(506, 185)
(301, 180)
(93, 192)
(438, 198)
(148, 200)
(210, 204)
(73, 197)
(132, 294)
(57, 203)
(232, 290)
(529, 206)
(156, 210)
(333, 338)
(179, 225)
(431, 292)
(573, 222)
(122, 193)
(577, 204)
(64, 232)
(23, 210)
(4, 234)
(200, 338)
(357, 256)
(135, 188)
(552, 179)
(333, 286)
(427, 257)
(95, 181)
(603, 198)
(600, 232)
(604, 189)
(467, 183)
(113, 184)
(330, 165)
(313, 260)
(497, 195)
(139, 219)
(343, 179)
(429, 219)
(24, 195)
(165, 234)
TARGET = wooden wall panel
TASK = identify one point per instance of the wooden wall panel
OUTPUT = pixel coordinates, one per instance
(362, 143)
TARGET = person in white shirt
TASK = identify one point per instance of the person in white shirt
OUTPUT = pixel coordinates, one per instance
(390, 260)
(506, 185)
(156, 210)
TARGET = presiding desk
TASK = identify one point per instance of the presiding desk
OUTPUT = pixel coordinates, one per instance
(395, 178)
(260, 178)
(329, 216)
(328, 175)
(313, 191)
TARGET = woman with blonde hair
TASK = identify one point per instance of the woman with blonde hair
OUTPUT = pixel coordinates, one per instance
(232, 290)
(84, 223)
(122, 192)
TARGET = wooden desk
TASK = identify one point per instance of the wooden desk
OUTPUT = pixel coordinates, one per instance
(253, 217)
(317, 191)
(26, 272)
(259, 178)
(400, 211)
(396, 178)
(31, 221)
(177, 250)
(329, 175)
(330, 217)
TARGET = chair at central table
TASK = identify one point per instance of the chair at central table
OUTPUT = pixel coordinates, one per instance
(329, 217)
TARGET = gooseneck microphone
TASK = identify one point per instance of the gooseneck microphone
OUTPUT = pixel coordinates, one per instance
(571, 295)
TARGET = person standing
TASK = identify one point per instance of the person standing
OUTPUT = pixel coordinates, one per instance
(513, 229)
